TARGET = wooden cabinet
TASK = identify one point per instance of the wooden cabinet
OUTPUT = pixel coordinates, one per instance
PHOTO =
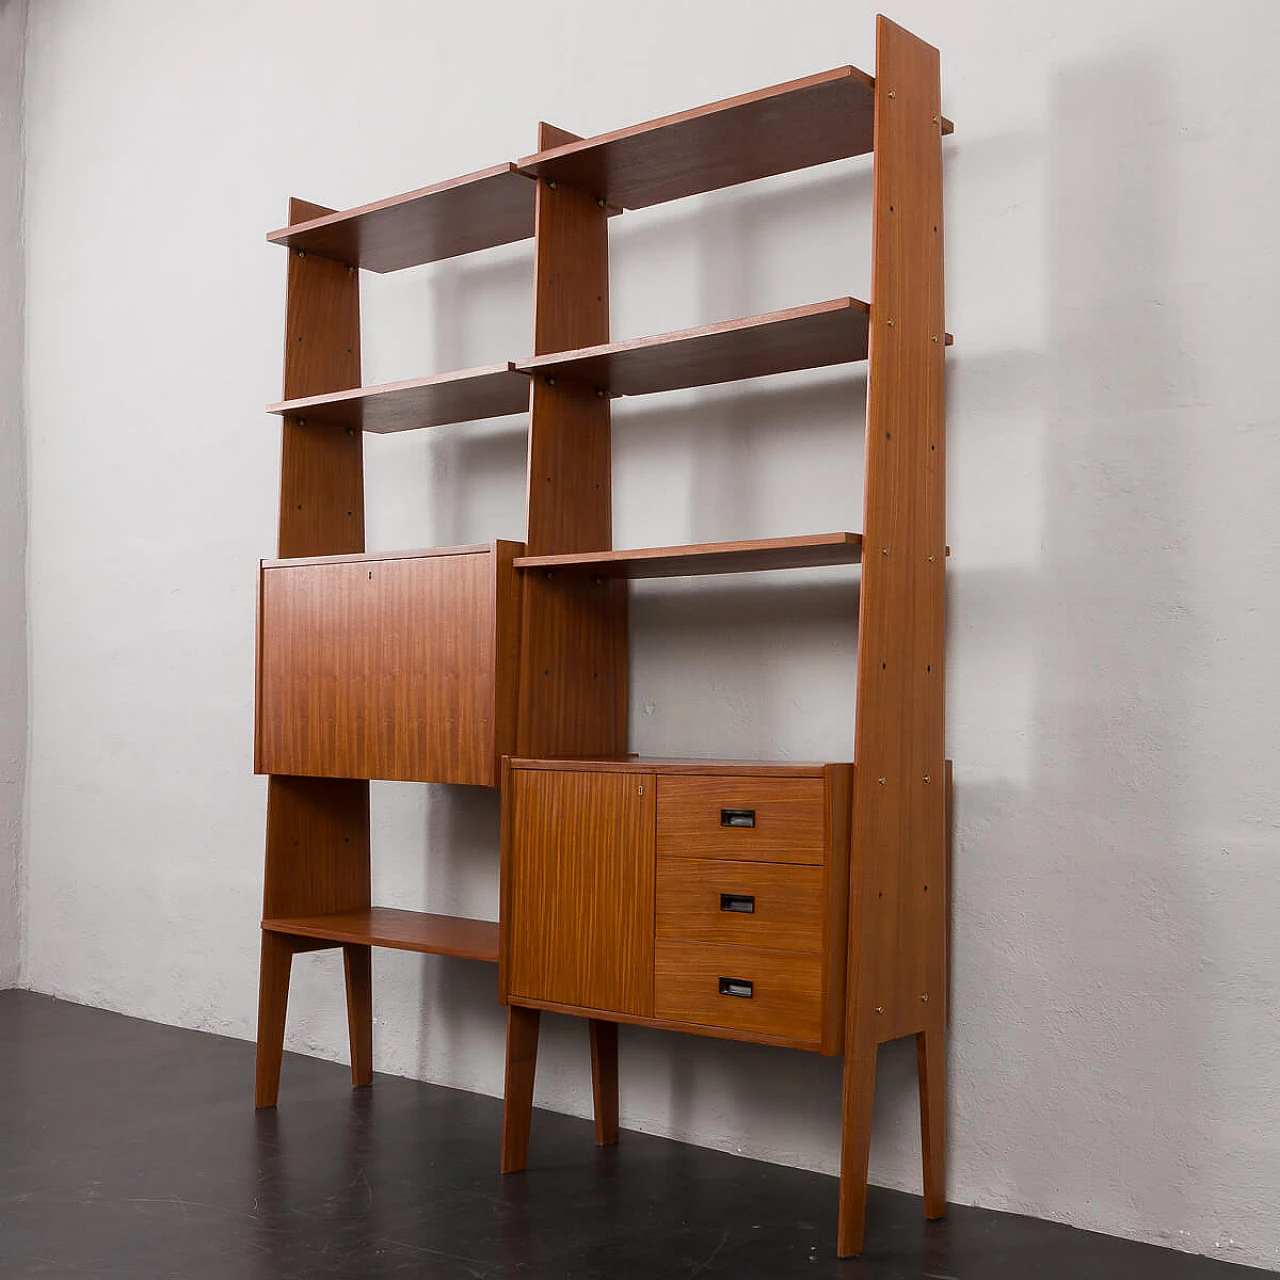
(579, 889)
(801, 905)
(647, 891)
(398, 667)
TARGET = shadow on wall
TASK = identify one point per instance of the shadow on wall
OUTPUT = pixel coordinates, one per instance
(1078, 929)
(1076, 937)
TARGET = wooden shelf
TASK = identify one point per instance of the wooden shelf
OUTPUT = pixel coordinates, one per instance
(809, 337)
(787, 126)
(403, 930)
(811, 551)
(491, 207)
(463, 396)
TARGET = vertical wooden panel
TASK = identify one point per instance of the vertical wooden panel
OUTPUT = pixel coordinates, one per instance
(898, 785)
(574, 640)
(835, 936)
(898, 930)
(322, 468)
(317, 849)
(581, 870)
(317, 846)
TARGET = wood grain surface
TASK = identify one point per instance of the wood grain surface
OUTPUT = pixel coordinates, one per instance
(786, 995)
(804, 552)
(898, 935)
(787, 903)
(464, 395)
(322, 468)
(581, 889)
(386, 669)
(775, 130)
(573, 648)
(808, 337)
(790, 817)
(491, 207)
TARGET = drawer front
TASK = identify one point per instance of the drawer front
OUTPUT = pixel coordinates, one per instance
(750, 989)
(749, 904)
(746, 819)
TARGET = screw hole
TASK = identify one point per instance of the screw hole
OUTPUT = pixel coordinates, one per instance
(929, 667)
(926, 888)
(546, 671)
(299, 506)
(884, 666)
(880, 894)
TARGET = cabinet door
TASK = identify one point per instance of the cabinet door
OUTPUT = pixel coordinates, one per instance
(581, 898)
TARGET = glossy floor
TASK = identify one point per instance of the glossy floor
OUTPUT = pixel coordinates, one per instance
(131, 1150)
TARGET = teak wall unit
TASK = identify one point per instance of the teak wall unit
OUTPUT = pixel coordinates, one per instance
(801, 905)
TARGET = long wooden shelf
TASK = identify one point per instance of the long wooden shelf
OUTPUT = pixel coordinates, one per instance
(808, 337)
(491, 207)
(402, 930)
(493, 391)
(788, 126)
(808, 552)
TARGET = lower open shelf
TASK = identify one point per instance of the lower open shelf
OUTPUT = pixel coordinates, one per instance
(403, 930)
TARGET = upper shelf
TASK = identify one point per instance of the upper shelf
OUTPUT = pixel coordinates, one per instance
(494, 206)
(808, 337)
(806, 552)
(789, 126)
(464, 396)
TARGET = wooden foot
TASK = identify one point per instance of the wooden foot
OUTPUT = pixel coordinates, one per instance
(273, 1004)
(517, 1101)
(855, 1146)
(358, 962)
(604, 1080)
(931, 1059)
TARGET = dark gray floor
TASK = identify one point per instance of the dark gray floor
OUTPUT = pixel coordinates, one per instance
(131, 1149)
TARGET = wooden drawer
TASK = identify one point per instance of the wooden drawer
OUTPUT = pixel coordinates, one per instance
(750, 904)
(743, 818)
(785, 989)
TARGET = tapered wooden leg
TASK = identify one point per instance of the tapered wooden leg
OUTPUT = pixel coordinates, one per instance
(931, 1059)
(358, 962)
(517, 1101)
(273, 1004)
(604, 1080)
(855, 1146)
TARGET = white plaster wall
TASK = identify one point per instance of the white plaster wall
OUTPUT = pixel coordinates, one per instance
(13, 502)
(1115, 464)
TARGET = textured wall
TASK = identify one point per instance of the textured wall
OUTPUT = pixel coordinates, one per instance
(1114, 463)
(13, 499)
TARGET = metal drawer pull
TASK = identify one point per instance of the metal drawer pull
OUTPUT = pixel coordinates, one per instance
(736, 987)
(737, 817)
(743, 902)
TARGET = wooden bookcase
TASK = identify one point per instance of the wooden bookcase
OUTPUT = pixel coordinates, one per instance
(790, 904)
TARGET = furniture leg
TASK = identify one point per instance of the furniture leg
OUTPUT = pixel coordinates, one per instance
(931, 1060)
(273, 1003)
(855, 1146)
(358, 963)
(517, 1102)
(604, 1080)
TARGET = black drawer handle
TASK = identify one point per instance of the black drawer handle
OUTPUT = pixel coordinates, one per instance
(741, 902)
(741, 987)
(737, 817)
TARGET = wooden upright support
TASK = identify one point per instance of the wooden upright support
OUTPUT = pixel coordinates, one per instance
(573, 660)
(317, 856)
(897, 976)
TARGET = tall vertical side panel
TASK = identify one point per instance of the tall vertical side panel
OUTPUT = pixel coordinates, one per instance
(317, 856)
(898, 813)
(574, 637)
(322, 468)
